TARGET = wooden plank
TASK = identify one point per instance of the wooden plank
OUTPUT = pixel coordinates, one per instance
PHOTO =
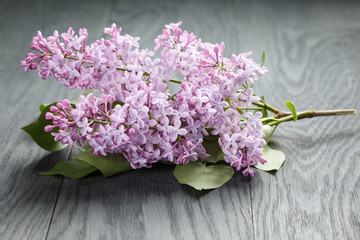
(27, 199)
(149, 203)
(312, 57)
(312, 51)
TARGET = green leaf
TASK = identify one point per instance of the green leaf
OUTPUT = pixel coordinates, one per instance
(213, 149)
(42, 107)
(264, 113)
(72, 169)
(263, 58)
(114, 104)
(292, 109)
(200, 176)
(87, 162)
(80, 148)
(117, 103)
(274, 159)
(109, 165)
(42, 138)
(262, 99)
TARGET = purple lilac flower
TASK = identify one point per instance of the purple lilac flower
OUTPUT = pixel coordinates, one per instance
(136, 115)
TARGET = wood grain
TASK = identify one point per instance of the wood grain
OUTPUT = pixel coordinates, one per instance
(313, 61)
(150, 204)
(27, 200)
(312, 55)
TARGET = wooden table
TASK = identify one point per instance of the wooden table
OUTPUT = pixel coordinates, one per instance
(313, 56)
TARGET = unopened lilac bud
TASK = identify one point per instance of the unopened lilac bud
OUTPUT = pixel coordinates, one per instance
(49, 116)
(54, 109)
(59, 105)
(131, 131)
(49, 128)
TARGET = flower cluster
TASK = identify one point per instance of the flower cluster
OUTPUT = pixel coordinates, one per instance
(136, 115)
(243, 148)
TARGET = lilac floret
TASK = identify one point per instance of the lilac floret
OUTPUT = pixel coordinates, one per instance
(136, 114)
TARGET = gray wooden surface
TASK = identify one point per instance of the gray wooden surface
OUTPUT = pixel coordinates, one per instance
(313, 51)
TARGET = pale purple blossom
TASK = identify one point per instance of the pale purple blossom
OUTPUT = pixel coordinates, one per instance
(136, 114)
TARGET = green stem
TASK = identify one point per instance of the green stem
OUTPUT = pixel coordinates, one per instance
(250, 108)
(266, 121)
(267, 141)
(71, 58)
(311, 114)
(97, 121)
(175, 81)
(267, 107)
(121, 69)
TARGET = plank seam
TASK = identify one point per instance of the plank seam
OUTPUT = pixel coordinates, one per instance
(56, 200)
(108, 20)
(252, 210)
(53, 211)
